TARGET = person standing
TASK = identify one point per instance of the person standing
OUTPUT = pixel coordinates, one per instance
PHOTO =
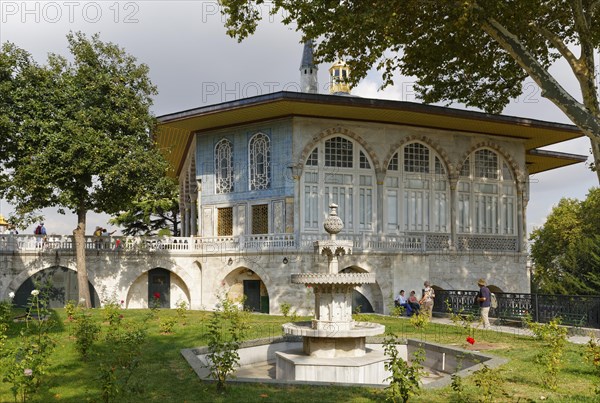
(427, 299)
(40, 232)
(484, 299)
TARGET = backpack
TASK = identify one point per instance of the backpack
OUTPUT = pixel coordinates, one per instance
(38, 230)
(493, 301)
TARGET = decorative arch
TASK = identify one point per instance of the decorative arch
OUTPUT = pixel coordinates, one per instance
(517, 172)
(249, 284)
(371, 292)
(332, 132)
(488, 204)
(223, 157)
(259, 161)
(136, 294)
(434, 145)
(23, 278)
(163, 263)
(344, 172)
(417, 200)
(494, 288)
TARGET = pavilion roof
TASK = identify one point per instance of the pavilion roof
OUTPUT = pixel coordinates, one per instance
(175, 130)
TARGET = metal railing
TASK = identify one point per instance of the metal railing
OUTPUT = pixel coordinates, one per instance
(574, 310)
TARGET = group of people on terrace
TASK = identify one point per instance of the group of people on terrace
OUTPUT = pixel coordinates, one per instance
(412, 306)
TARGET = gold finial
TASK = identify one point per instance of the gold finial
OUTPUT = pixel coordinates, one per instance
(339, 74)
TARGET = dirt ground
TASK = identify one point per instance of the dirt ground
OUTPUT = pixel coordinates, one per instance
(484, 345)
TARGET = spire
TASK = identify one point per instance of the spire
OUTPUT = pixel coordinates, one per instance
(308, 70)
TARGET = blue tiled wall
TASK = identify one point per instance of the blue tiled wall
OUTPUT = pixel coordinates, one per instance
(282, 185)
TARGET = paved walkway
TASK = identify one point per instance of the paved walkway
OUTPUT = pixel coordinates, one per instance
(576, 335)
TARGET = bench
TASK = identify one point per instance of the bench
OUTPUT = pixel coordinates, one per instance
(511, 315)
(573, 319)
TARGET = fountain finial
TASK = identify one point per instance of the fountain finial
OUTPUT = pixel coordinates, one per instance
(333, 224)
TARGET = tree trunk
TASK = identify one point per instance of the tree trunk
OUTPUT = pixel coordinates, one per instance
(596, 155)
(82, 277)
(578, 113)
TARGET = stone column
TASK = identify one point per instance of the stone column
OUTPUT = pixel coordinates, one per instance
(193, 215)
(199, 206)
(522, 200)
(183, 210)
(380, 178)
(453, 204)
(298, 214)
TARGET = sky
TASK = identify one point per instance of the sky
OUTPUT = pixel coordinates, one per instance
(194, 63)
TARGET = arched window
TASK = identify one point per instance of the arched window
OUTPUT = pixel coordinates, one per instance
(339, 171)
(486, 195)
(416, 191)
(260, 162)
(224, 166)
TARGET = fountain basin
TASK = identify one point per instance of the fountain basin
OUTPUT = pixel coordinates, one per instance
(333, 342)
(295, 365)
(257, 361)
(355, 329)
(350, 279)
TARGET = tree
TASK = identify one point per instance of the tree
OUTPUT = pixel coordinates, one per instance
(478, 52)
(76, 134)
(566, 250)
(153, 212)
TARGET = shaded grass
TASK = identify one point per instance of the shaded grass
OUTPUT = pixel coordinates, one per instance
(164, 376)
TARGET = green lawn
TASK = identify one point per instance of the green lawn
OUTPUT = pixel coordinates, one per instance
(164, 376)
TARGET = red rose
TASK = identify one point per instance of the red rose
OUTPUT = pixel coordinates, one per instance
(157, 295)
(470, 340)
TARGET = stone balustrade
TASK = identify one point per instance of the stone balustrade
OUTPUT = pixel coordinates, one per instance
(414, 243)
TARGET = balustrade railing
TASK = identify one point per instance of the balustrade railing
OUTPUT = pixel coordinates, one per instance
(575, 310)
(487, 243)
(408, 242)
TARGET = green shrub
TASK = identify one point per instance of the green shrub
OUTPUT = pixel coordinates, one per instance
(85, 331)
(26, 365)
(226, 330)
(285, 308)
(490, 384)
(405, 378)
(70, 308)
(555, 338)
(166, 325)
(419, 321)
(182, 307)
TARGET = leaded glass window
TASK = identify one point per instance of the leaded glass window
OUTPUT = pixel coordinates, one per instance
(363, 161)
(416, 158)
(486, 164)
(439, 167)
(465, 170)
(416, 191)
(224, 166)
(260, 162)
(487, 198)
(342, 174)
(393, 165)
(313, 158)
(338, 153)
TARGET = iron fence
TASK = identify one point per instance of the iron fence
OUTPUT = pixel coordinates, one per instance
(574, 310)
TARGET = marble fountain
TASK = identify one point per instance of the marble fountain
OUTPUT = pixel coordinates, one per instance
(332, 347)
(333, 344)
